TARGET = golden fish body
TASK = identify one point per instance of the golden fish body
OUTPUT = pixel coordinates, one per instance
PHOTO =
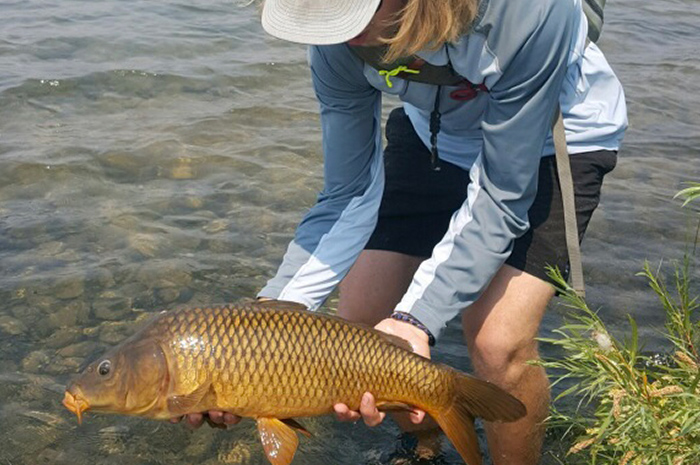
(290, 363)
(271, 362)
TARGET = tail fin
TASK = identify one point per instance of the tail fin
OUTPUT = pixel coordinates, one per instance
(475, 398)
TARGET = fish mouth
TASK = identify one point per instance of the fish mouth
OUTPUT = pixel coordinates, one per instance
(76, 404)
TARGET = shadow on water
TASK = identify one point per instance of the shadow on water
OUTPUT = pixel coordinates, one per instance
(159, 155)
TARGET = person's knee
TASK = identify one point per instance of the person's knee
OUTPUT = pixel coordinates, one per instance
(502, 360)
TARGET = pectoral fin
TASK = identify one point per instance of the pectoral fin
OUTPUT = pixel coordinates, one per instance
(186, 403)
(278, 440)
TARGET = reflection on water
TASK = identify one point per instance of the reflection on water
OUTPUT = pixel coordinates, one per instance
(156, 154)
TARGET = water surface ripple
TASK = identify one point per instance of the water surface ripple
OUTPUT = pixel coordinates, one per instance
(160, 153)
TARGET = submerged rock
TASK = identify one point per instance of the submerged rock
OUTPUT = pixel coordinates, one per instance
(36, 362)
(162, 274)
(68, 287)
(66, 365)
(182, 168)
(50, 249)
(12, 326)
(148, 245)
(167, 295)
(237, 452)
(103, 277)
(111, 306)
(217, 226)
(62, 337)
(67, 315)
(79, 349)
(40, 301)
(114, 332)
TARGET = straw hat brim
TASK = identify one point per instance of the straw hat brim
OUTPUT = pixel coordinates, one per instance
(317, 22)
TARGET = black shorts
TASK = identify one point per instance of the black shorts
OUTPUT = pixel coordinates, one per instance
(418, 202)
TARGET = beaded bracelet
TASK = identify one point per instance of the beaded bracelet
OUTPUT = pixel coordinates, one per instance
(410, 319)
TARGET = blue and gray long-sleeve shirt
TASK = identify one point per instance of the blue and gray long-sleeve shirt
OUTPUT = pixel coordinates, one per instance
(531, 55)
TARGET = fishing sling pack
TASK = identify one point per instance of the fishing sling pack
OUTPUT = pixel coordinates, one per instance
(413, 68)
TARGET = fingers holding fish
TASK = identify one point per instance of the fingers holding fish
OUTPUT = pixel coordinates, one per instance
(192, 420)
(216, 418)
(343, 413)
(223, 418)
(368, 408)
(368, 412)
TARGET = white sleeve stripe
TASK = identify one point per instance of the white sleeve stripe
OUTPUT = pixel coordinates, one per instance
(442, 251)
(338, 249)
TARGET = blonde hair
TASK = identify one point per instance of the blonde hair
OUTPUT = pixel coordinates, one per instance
(428, 24)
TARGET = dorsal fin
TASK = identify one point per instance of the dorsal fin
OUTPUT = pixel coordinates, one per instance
(278, 305)
(397, 341)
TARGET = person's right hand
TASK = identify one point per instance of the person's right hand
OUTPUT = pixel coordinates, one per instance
(368, 411)
(195, 420)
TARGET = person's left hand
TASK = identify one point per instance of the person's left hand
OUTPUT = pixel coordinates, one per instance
(217, 417)
(368, 408)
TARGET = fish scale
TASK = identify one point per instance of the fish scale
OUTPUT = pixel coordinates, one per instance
(274, 362)
(268, 349)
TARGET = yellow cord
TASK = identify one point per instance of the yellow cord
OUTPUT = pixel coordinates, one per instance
(388, 74)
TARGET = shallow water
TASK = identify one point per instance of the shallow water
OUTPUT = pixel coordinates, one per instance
(156, 154)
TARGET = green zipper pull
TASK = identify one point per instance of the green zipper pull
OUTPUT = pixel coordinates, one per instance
(388, 74)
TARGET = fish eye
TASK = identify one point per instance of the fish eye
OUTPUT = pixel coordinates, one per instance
(104, 367)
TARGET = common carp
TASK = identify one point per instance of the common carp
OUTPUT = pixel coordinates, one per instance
(274, 362)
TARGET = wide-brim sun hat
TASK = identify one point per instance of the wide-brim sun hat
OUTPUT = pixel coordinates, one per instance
(317, 22)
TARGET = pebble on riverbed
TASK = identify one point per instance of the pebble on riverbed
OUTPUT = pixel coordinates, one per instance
(62, 337)
(111, 306)
(36, 361)
(148, 245)
(236, 452)
(160, 274)
(12, 326)
(67, 287)
(69, 315)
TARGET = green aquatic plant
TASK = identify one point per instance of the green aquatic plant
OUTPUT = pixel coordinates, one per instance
(689, 193)
(633, 407)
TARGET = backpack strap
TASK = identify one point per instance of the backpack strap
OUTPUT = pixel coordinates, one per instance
(411, 68)
(593, 9)
(566, 184)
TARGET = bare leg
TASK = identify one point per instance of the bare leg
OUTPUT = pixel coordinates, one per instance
(375, 284)
(500, 330)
